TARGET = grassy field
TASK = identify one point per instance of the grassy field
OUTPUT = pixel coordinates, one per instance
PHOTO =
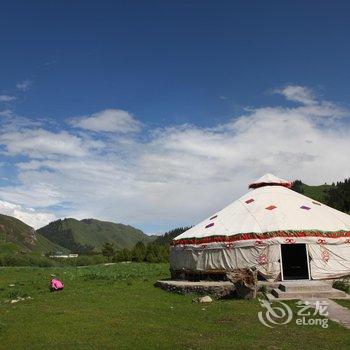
(117, 307)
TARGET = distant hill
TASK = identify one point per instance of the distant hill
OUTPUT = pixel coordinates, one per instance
(83, 236)
(15, 235)
(336, 195)
(319, 193)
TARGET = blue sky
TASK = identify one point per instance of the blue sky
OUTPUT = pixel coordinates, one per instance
(121, 110)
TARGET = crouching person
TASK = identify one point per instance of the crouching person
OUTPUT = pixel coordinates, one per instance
(56, 285)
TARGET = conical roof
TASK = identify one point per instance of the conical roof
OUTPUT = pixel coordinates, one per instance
(270, 180)
(266, 211)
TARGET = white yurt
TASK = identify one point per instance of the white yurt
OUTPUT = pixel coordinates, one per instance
(283, 234)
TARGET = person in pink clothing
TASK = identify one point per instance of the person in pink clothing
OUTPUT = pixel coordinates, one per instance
(56, 285)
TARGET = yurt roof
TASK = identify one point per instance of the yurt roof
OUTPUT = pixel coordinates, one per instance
(270, 180)
(269, 208)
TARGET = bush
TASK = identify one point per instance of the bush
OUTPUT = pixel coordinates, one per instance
(40, 261)
(30, 259)
(152, 253)
(83, 260)
(343, 285)
(13, 260)
(25, 260)
(123, 255)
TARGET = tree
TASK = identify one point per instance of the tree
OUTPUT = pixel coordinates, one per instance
(108, 250)
(297, 186)
(122, 255)
(139, 252)
(338, 196)
(167, 238)
(84, 249)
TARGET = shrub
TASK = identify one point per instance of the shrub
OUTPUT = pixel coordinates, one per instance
(13, 260)
(40, 261)
(25, 260)
(83, 260)
(343, 285)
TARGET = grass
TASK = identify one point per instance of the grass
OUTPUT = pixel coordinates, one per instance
(8, 248)
(345, 303)
(318, 193)
(117, 307)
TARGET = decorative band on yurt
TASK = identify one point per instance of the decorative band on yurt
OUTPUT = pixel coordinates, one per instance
(260, 236)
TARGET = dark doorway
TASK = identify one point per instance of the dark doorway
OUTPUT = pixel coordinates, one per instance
(294, 261)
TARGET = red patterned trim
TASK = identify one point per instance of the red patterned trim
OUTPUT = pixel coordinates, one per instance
(262, 236)
(262, 259)
(325, 256)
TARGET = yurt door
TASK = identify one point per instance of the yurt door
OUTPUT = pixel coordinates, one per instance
(295, 262)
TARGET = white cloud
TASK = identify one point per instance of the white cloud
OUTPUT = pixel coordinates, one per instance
(40, 143)
(6, 113)
(27, 215)
(33, 191)
(183, 173)
(297, 93)
(24, 85)
(7, 98)
(109, 120)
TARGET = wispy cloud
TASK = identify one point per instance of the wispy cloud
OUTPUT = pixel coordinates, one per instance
(39, 143)
(24, 85)
(108, 120)
(7, 98)
(6, 113)
(178, 174)
(298, 94)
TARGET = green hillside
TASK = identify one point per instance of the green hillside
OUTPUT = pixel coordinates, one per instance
(17, 236)
(44, 245)
(318, 193)
(90, 234)
(336, 195)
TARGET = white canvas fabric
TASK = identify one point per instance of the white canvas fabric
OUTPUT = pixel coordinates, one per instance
(238, 235)
(264, 258)
(329, 261)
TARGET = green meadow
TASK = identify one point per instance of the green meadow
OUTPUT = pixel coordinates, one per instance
(117, 307)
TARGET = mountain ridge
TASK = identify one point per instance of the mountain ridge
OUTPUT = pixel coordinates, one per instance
(86, 235)
(15, 235)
